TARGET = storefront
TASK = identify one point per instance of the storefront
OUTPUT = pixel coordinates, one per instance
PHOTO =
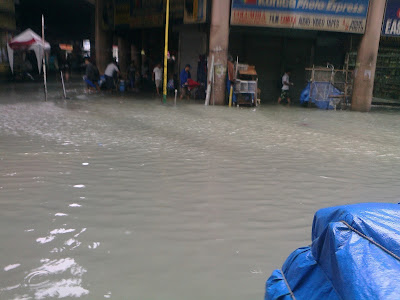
(7, 28)
(387, 78)
(279, 35)
(142, 23)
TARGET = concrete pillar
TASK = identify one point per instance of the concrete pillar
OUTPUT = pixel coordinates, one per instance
(135, 53)
(103, 34)
(143, 50)
(124, 55)
(364, 74)
(219, 43)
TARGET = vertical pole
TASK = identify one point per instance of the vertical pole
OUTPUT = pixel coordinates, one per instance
(346, 83)
(44, 62)
(63, 85)
(176, 95)
(166, 53)
(364, 73)
(219, 42)
(311, 86)
(230, 96)
(210, 81)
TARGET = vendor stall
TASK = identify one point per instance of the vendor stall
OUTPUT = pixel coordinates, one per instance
(246, 85)
(27, 40)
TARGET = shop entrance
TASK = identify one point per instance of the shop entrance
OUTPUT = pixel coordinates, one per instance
(274, 50)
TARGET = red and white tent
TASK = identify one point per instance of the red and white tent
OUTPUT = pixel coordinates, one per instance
(27, 40)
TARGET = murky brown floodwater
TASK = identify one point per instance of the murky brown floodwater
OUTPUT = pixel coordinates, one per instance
(124, 198)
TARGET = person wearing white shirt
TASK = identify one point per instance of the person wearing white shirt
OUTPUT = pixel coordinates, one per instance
(157, 77)
(109, 75)
(285, 95)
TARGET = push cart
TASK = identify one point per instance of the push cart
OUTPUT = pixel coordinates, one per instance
(246, 85)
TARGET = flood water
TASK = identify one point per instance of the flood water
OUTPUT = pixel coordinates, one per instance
(121, 197)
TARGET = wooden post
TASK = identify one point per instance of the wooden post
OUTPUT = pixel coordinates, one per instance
(364, 73)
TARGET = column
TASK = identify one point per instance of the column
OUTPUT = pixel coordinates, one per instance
(124, 55)
(135, 55)
(219, 43)
(103, 33)
(364, 73)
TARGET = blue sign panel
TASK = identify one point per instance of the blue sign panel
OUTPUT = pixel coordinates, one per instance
(391, 23)
(330, 15)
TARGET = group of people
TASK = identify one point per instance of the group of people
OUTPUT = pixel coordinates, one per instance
(92, 77)
(185, 80)
(111, 74)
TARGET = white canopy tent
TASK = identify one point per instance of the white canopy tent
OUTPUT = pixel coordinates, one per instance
(27, 40)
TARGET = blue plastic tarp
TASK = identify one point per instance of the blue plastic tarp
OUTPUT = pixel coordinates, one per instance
(354, 255)
(321, 94)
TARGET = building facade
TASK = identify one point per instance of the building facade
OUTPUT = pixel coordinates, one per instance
(7, 27)
(272, 35)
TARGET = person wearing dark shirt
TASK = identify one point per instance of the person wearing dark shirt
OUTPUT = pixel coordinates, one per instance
(91, 75)
(184, 76)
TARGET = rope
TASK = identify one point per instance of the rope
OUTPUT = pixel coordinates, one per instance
(287, 284)
(371, 240)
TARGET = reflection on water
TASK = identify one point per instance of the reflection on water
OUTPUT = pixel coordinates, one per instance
(122, 197)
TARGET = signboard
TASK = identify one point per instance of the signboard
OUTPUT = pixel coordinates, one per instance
(195, 11)
(323, 15)
(391, 23)
(7, 6)
(7, 22)
(145, 13)
(176, 9)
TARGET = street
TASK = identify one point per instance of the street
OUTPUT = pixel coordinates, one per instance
(119, 196)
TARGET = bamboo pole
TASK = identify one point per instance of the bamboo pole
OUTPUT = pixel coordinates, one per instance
(230, 96)
(166, 53)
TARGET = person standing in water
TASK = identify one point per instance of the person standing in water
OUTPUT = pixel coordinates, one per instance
(285, 95)
(157, 78)
(184, 76)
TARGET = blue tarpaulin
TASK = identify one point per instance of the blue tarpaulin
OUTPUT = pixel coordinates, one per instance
(321, 94)
(354, 255)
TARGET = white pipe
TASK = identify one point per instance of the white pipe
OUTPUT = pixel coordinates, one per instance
(44, 62)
